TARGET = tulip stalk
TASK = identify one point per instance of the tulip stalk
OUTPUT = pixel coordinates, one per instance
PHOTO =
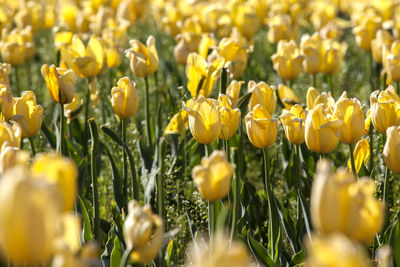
(211, 204)
(61, 148)
(124, 161)
(371, 150)
(146, 112)
(87, 100)
(32, 146)
(314, 80)
(93, 174)
(353, 166)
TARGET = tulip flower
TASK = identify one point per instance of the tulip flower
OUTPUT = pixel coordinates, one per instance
(385, 111)
(287, 61)
(314, 98)
(383, 40)
(124, 98)
(60, 171)
(6, 101)
(178, 123)
(335, 250)
(391, 61)
(340, 203)
(311, 48)
(233, 91)
(186, 44)
(204, 119)
(29, 209)
(350, 112)
(391, 150)
(85, 61)
(28, 115)
(293, 122)
(60, 82)
(262, 94)
(213, 177)
(17, 46)
(5, 70)
(143, 58)
(281, 28)
(287, 96)
(332, 54)
(322, 13)
(143, 232)
(62, 38)
(230, 117)
(11, 156)
(322, 130)
(10, 133)
(245, 19)
(70, 108)
(366, 30)
(361, 154)
(220, 251)
(262, 129)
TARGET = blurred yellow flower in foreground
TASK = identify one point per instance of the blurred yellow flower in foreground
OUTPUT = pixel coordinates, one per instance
(143, 58)
(213, 177)
(293, 122)
(391, 150)
(340, 203)
(124, 99)
(60, 82)
(287, 61)
(10, 133)
(11, 156)
(143, 232)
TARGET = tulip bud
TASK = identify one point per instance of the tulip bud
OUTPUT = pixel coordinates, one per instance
(314, 98)
(350, 112)
(233, 51)
(5, 70)
(143, 59)
(281, 28)
(60, 82)
(6, 102)
(340, 203)
(382, 39)
(29, 209)
(143, 232)
(366, 31)
(361, 155)
(384, 109)
(391, 61)
(322, 130)
(287, 61)
(213, 177)
(287, 97)
(233, 91)
(230, 117)
(60, 171)
(28, 114)
(262, 94)
(70, 108)
(331, 56)
(186, 44)
(246, 20)
(391, 151)
(293, 122)
(204, 119)
(261, 128)
(124, 98)
(311, 48)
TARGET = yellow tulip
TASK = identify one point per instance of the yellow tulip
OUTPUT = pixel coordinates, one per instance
(186, 44)
(13, 53)
(281, 28)
(332, 30)
(366, 30)
(391, 150)
(287, 96)
(213, 177)
(233, 91)
(70, 108)
(385, 109)
(5, 70)
(311, 48)
(220, 252)
(60, 82)
(321, 13)
(206, 42)
(28, 115)
(322, 130)
(367, 122)
(293, 122)
(179, 122)
(335, 250)
(12, 156)
(361, 155)
(60, 171)
(85, 61)
(230, 118)
(332, 55)
(261, 128)
(29, 209)
(68, 240)
(62, 38)
(245, 19)
(143, 58)
(201, 74)
(262, 94)
(113, 57)
(314, 98)
(6, 102)
(382, 39)
(391, 61)
(287, 61)
(143, 232)
(204, 119)
(340, 203)
(350, 112)
(124, 98)
(10, 133)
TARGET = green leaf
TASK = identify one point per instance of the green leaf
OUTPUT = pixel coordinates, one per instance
(394, 241)
(87, 233)
(116, 253)
(170, 248)
(299, 258)
(260, 251)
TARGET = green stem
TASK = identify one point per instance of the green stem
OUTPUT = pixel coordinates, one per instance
(353, 166)
(236, 196)
(298, 180)
(211, 218)
(160, 180)
(227, 149)
(147, 112)
(124, 161)
(329, 81)
(17, 80)
(32, 146)
(397, 87)
(386, 187)
(267, 181)
(61, 147)
(314, 80)
(207, 150)
(371, 150)
(224, 81)
(93, 174)
(87, 101)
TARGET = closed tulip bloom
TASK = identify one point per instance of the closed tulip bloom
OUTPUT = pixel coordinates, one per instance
(332, 55)
(85, 61)
(6, 102)
(335, 250)
(204, 119)
(287, 96)
(233, 91)
(245, 19)
(5, 70)
(12, 156)
(311, 48)
(143, 232)
(70, 108)
(391, 150)
(13, 53)
(235, 53)
(314, 98)
(230, 118)
(186, 44)
(29, 209)
(60, 171)
(60, 82)
(385, 109)
(281, 28)
(391, 62)
(322, 130)
(340, 203)
(382, 39)
(287, 61)
(213, 177)
(350, 112)
(293, 122)
(143, 58)
(366, 30)
(261, 128)
(361, 155)
(262, 94)
(124, 99)
(28, 115)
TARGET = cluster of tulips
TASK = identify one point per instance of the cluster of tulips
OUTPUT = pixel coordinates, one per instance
(52, 207)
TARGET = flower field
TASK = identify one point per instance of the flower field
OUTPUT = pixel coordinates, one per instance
(225, 133)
